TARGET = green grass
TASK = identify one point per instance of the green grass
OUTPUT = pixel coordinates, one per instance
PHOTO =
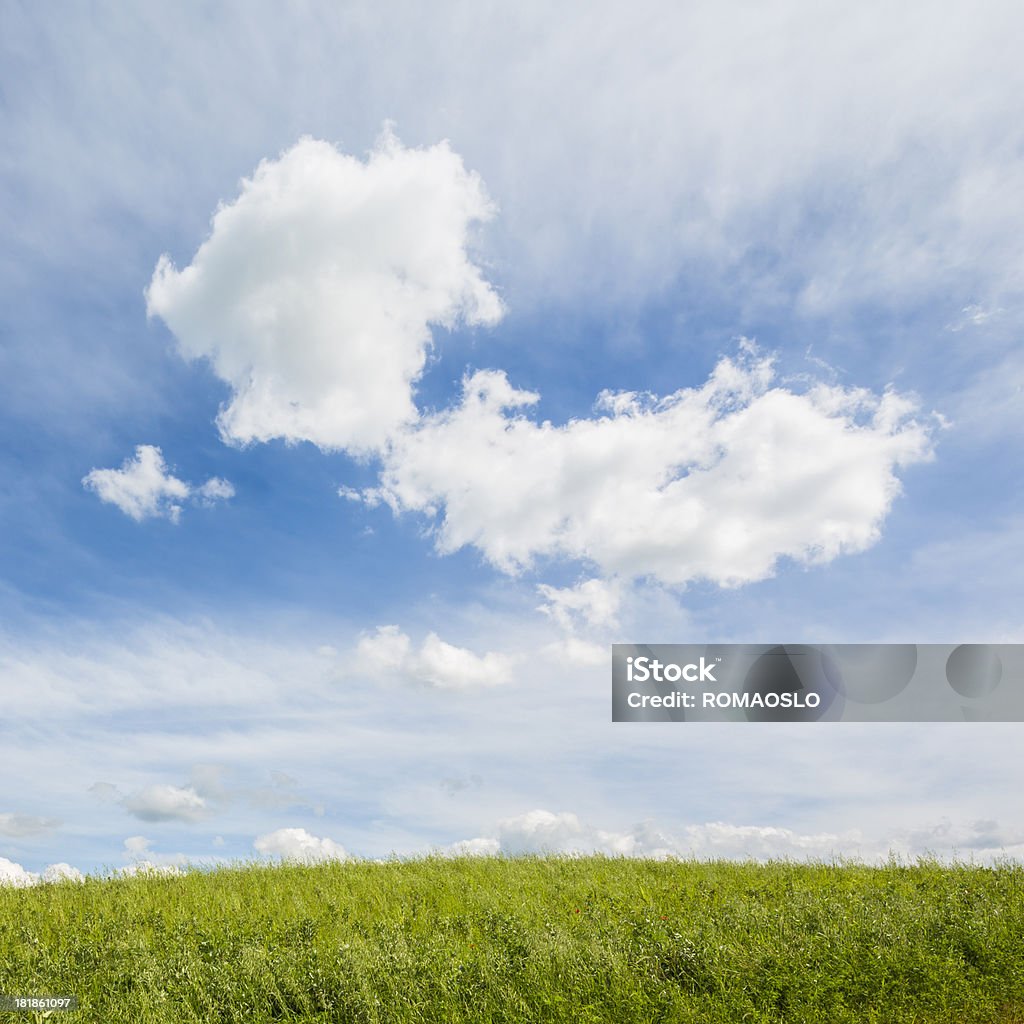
(527, 939)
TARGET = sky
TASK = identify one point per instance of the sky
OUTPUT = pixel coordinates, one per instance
(367, 370)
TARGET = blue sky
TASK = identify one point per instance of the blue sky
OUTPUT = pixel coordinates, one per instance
(370, 270)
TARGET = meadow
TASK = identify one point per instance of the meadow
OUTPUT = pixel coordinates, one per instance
(530, 939)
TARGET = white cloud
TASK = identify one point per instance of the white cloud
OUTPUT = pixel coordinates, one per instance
(314, 295)
(758, 842)
(479, 847)
(542, 831)
(25, 824)
(144, 488)
(137, 846)
(389, 651)
(590, 604)
(15, 875)
(573, 650)
(215, 489)
(139, 850)
(161, 665)
(590, 608)
(207, 792)
(163, 802)
(449, 667)
(163, 698)
(973, 316)
(148, 867)
(296, 844)
(717, 482)
(857, 143)
(386, 650)
(62, 873)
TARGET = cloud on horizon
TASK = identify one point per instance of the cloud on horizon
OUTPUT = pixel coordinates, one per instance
(296, 844)
(15, 875)
(564, 833)
(547, 832)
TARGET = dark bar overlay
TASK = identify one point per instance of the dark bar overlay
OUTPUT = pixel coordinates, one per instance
(818, 682)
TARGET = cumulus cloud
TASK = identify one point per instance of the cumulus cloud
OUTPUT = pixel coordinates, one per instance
(716, 482)
(163, 802)
(144, 861)
(137, 846)
(479, 847)
(296, 844)
(389, 652)
(314, 295)
(590, 604)
(542, 831)
(313, 298)
(144, 487)
(15, 875)
(62, 872)
(215, 489)
(581, 612)
(148, 867)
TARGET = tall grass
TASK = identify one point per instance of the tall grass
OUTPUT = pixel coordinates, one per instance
(527, 939)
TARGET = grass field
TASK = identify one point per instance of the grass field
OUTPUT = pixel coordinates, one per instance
(526, 939)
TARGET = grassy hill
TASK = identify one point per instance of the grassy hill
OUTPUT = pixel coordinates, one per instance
(527, 939)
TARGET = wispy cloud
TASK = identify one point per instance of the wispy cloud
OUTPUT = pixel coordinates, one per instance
(166, 803)
(20, 825)
(542, 831)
